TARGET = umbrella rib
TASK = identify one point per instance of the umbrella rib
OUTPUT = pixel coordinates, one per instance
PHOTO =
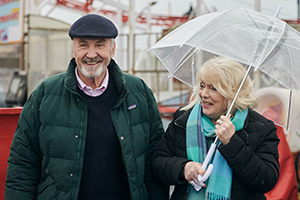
(275, 45)
(261, 60)
(189, 54)
(289, 111)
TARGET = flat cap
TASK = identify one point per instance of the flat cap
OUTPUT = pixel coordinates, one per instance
(93, 25)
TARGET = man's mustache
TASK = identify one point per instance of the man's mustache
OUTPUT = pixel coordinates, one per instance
(95, 59)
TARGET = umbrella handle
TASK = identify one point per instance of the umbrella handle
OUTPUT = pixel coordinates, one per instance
(199, 182)
(197, 186)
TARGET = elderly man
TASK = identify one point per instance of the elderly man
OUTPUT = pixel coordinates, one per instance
(87, 133)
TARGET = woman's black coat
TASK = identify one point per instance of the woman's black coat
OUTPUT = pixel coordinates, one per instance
(251, 153)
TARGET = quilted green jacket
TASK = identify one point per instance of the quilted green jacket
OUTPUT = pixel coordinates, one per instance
(46, 155)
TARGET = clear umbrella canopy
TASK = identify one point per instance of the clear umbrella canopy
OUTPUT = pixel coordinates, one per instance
(252, 38)
(249, 37)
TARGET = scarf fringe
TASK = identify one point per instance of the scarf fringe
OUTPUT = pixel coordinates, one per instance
(212, 196)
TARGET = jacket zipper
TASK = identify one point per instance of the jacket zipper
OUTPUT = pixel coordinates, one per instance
(179, 126)
(78, 157)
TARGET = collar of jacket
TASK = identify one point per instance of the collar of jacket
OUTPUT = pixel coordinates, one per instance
(181, 117)
(114, 71)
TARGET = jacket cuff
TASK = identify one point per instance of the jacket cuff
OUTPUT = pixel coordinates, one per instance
(231, 149)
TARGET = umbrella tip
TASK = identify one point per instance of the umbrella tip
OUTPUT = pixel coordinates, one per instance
(277, 11)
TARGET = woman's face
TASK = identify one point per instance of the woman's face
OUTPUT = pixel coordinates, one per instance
(213, 104)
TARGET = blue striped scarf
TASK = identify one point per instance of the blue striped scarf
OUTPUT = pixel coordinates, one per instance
(199, 133)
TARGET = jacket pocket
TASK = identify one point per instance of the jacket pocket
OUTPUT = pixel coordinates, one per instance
(47, 190)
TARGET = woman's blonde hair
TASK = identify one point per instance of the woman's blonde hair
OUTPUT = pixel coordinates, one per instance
(225, 75)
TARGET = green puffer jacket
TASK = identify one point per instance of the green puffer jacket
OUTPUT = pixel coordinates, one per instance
(46, 155)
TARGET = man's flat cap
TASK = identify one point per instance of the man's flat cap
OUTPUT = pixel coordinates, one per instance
(93, 25)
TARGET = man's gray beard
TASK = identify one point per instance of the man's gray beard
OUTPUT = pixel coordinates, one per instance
(90, 72)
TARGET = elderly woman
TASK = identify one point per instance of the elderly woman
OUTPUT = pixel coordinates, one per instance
(246, 161)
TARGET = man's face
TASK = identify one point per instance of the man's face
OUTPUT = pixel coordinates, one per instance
(92, 55)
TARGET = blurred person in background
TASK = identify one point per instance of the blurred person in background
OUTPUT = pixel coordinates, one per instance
(87, 133)
(245, 164)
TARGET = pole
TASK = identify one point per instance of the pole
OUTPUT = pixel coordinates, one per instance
(257, 5)
(198, 7)
(298, 2)
(131, 36)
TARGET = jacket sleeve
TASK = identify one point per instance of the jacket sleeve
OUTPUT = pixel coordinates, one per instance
(23, 170)
(255, 163)
(168, 159)
(156, 189)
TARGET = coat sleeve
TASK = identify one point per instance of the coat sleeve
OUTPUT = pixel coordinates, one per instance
(168, 159)
(255, 163)
(24, 161)
(156, 189)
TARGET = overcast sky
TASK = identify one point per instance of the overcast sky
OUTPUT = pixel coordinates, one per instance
(178, 7)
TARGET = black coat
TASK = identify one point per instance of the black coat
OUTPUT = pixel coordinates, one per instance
(252, 154)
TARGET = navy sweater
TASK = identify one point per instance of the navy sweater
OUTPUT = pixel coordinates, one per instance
(103, 175)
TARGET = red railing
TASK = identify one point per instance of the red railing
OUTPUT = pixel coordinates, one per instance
(8, 123)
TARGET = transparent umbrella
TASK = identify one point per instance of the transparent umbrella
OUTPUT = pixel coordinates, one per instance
(259, 41)
(247, 36)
